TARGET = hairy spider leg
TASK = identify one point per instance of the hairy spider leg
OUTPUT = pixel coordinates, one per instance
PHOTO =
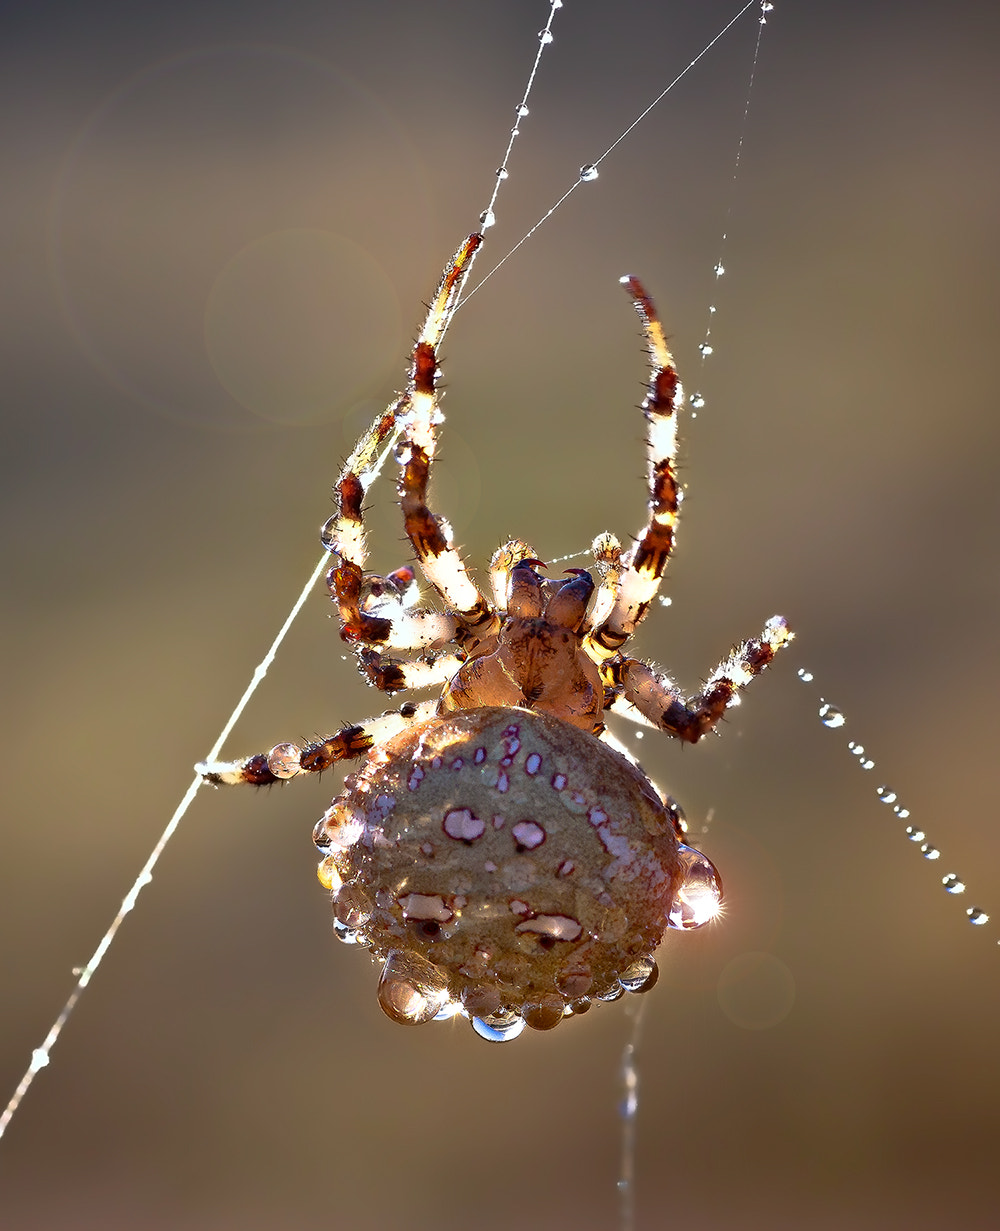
(394, 598)
(439, 560)
(635, 684)
(384, 617)
(398, 674)
(415, 629)
(344, 533)
(644, 565)
(359, 598)
(288, 760)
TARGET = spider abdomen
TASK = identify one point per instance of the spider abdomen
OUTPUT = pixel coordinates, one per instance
(502, 860)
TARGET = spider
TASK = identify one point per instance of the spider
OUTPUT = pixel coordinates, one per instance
(497, 851)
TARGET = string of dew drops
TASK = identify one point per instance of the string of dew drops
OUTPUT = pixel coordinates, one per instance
(834, 719)
(705, 348)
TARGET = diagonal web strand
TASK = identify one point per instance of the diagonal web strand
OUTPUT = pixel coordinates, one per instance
(40, 1056)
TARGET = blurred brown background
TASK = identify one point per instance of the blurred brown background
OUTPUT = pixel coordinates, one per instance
(220, 221)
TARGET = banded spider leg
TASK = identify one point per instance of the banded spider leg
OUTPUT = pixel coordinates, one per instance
(363, 600)
(630, 582)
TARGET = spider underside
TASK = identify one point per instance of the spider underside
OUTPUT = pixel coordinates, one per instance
(496, 851)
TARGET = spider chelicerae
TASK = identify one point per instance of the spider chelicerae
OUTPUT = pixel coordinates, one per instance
(497, 851)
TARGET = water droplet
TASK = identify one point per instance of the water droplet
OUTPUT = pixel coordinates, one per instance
(502, 173)
(613, 993)
(720, 269)
(868, 763)
(977, 916)
(352, 906)
(915, 835)
(521, 109)
(805, 676)
(544, 36)
(902, 813)
(697, 401)
(699, 897)
(481, 1000)
(411, 990)
(855, 749)
(283, 760)
(498, 1027)
(328, 876)
(338, 828)
(930, 852)
(450, 1009)
(544, 1013)
(640, 976)
(830, 716)
(886, 794)
(952, 883)
(705, 348)
(588, 172)
(487, 219)
(348, 936)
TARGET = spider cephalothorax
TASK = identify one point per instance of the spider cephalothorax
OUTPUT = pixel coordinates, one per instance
(496, 851)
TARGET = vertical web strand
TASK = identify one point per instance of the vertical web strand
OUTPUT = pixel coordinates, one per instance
(628, 1109)
(629, 1069)
(705, 348)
